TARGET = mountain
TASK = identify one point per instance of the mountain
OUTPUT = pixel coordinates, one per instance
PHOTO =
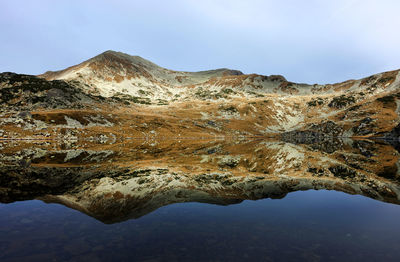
(112, 73)
(119, 96)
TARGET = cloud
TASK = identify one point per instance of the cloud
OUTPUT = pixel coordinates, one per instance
(307, 41)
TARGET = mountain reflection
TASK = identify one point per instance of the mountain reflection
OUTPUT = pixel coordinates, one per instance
(129, 179)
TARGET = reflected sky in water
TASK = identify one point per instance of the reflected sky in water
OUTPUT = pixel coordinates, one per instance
(304, 226)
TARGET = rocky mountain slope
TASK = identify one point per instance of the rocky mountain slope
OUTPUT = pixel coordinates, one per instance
(121, 96)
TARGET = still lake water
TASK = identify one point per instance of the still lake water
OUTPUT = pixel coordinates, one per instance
(304, 224)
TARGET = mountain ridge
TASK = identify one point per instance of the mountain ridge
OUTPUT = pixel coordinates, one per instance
(137, 59)
(114, 73)
(128, 96)
(110, 69)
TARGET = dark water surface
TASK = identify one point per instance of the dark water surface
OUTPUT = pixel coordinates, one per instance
(304, 226)
(200, 201)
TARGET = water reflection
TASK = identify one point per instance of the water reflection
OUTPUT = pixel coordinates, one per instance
(129, 179)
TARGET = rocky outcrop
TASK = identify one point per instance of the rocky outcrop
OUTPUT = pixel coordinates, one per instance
(23, 93)
(323, 136)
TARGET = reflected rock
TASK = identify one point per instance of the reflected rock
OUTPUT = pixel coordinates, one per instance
(116, 182)
(119, 198)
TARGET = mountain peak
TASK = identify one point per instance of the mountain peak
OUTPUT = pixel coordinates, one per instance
(113, 72)
(121, 57)
(110, 53)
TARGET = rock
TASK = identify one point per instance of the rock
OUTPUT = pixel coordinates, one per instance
(25, 115)
(342, 172)
(229, 161)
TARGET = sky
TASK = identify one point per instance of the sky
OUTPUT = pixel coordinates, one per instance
(308, 41)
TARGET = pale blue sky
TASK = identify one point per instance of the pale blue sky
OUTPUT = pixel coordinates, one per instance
(306, 41)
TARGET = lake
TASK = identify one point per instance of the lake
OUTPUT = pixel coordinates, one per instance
(200, 200)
